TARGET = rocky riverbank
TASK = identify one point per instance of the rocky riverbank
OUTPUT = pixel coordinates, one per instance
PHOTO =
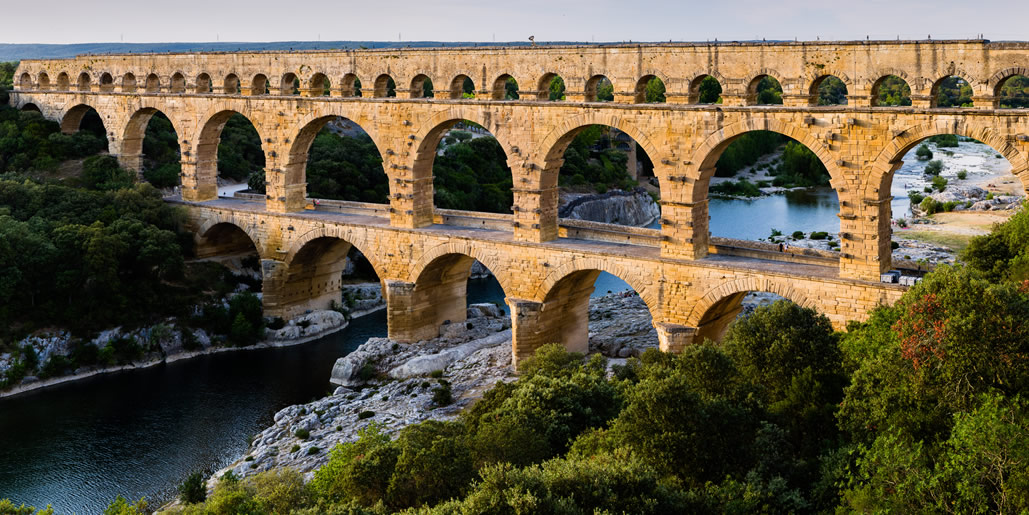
(636, 208)
(168, 342)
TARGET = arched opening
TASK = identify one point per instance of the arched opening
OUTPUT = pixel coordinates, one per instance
(43, 81)
(505, 88)
(1012, 92)
(600, 163)
(385, 87)
(337, 160)
(443, 292)
(319, 85)
(948, 189)
(952, 91)
(106, 83)
(30, 107)
(225, 241)
(468, 166)
(85, 119)
(462, 87)
(25, 81)
(231, 85)
(577, 313)
(717, 317)
(259, 85)
(153, 83)
(771, 193)
(84, 82)
(421, 87)
(151, 136)
(128, 83)
(599, 89)
(178, 83)
(350, 85)
(551, 87)
(230, 157)
(316, 278)
(204, 84)
(891, 90)
(650, 89)
(764, 90)
(290, 84)
(705, 90)
(63, 82)
(828, 90)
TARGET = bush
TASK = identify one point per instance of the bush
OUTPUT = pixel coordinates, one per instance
(915, 197)
(165, 176)
(302, 434)
(740, 188)
(365, 414)
(103, 173)
(819, 235)
(923, 153)
(945, 140)
(357, 471)
(930, 206)
(193, 489)
(962, 175)
(442, 396)
(939, 183)
(934, 167)
(798, 235)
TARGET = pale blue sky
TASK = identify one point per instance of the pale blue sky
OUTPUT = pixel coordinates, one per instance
(78, 21)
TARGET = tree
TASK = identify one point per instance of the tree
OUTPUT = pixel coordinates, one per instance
(556, 88)
(655, 91)
(832, 91)
(923, 153)
(710, 91)
(193, 489)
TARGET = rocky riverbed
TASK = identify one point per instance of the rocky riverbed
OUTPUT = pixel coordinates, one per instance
(636, 208)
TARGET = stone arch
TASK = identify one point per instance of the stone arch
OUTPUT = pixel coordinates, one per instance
(43, 81)
(641, 86)
(135, 132)
(350, 85)
(708, 152)
(128, 83)
(694, 91)
(84, 82)
(816, 82)
(934, 91)
(889, 159)
(71, 120)
(223, 231)
(543, 85)
(203, 83)
(259, 84)
(206, 146)
(178, 83)
(592, 86)
(382, 89)
(231, 84)
(288, 84)
(106, 82)
(353, 236)
(465, 248)
(755, 79)
(304, 133)
(883, 75)
(418, 86)
(29, 106)
(457, 86)
(997, 79)
(153, 83)
(633, 278)
(500, 86)
(63, 82)
(726, 297)
(25, 81)
(553, 146)
(318, 85)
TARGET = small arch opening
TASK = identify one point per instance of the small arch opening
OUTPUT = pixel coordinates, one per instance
(128, 83)
(84, 82)
(350, 85)
(63, 82)
(650, 89)
(421, 87)
(204, 84)
(319, 85)
(385, 87)
(462, 87)
(153, 83)
(106, 82)
(764, 90)
(178, 83)
(259, 85)
(551, 88)
(25, 81)
(706, 90)
(231, 85)
(890, 91)
(88, 128)
(230, 141)
(829, 90)
(1013, 92)
(289, 85)
(43, 81)
(600, 89)
(951, 91)
(505, 88)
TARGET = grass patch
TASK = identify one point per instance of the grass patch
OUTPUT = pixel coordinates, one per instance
(956, 242)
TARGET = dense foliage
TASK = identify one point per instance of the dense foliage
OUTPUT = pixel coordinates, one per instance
(1014, 92)
(893, 91)
(954, 92)
(239, 151)
(832, 91)
(346, 168)
(473, 175)
(593, 159)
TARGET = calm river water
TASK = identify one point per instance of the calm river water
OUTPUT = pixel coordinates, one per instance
(140, 433)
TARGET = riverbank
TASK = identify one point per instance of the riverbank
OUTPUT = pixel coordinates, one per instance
(360, 299)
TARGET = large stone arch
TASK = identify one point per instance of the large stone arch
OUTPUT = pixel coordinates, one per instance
(210, 128)
(464, 247)
(71, 118)
(763, 284)
(889, 158)
(707, 153)
(134, 131)
(306, 129)
(205, 231)
(351, 235)
(646, 290)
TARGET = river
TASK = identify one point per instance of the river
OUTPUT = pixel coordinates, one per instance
(139, 433)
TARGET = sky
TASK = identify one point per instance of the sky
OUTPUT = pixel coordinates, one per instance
(148, 21)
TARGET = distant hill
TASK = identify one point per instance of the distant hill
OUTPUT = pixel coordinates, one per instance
(15, 52)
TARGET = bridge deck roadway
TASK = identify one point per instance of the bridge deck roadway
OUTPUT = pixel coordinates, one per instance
(568, 244)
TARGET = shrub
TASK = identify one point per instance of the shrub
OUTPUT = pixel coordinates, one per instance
(193, 489)
(359, 471)
(164, 176)
(939, 183)
(740, 188)
(798, 235)
(930, 206)
(314, 449)
(819, 235)
(934, 167)
(365, 414)
(443, 395)
(962, 175)
(434, 464)
(923, 153)
(945, 140)
(103, 173)
(302, 434)
(915, 197)
(121, 506)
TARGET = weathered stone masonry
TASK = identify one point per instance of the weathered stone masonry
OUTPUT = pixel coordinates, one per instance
(860, 143)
